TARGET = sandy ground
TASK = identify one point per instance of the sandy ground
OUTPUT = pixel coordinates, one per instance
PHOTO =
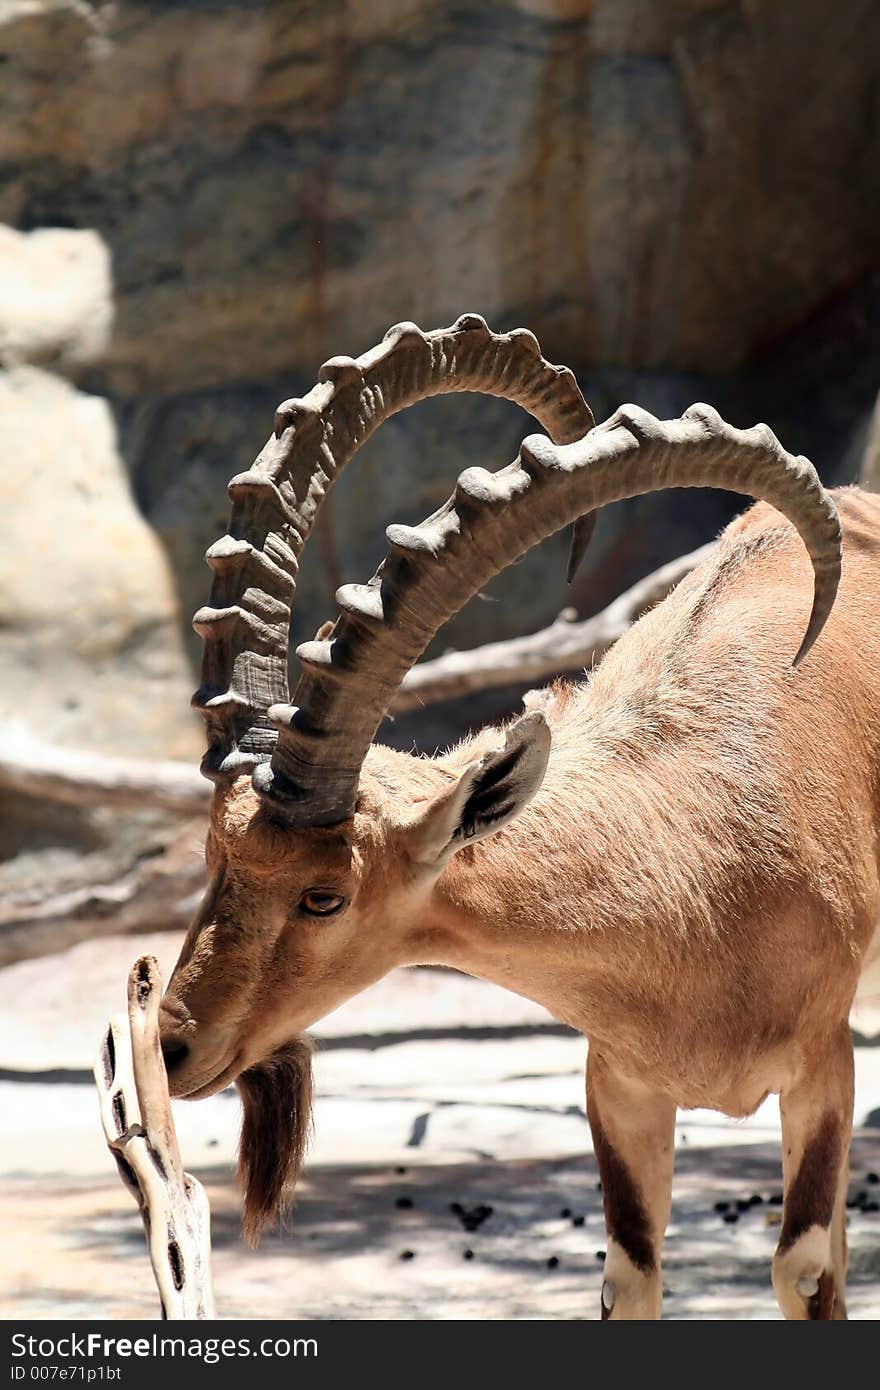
(451, 1175)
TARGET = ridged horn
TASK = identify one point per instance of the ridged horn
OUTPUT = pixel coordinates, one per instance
(246, 623)
(432, 569)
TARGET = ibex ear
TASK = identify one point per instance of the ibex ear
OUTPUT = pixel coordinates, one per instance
(488, 794)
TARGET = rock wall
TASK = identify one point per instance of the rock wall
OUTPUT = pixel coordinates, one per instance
(652, 183)
(90, 641)
(678, 196)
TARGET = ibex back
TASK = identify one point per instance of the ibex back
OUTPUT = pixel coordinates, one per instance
(678, 857)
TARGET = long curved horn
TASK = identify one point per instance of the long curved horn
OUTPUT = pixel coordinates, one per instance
(245, 626)
(432, 570)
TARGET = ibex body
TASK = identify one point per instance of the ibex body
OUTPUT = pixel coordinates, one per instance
(678, 857)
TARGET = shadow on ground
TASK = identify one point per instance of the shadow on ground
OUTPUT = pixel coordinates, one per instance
(486, 1240)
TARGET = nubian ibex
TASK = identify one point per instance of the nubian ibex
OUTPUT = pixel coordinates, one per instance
(677, 857)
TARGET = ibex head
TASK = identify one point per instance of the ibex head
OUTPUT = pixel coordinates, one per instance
(325, 850)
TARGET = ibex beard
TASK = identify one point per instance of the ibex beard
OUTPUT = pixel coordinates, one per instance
(276, 1097)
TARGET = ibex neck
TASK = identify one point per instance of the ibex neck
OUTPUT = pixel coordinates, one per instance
(608, 884)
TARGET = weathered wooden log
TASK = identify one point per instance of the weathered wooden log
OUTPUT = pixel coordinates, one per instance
(136, 1115)
(77, 777)
(153, 887)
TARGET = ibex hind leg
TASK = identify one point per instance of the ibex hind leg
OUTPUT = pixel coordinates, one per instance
(809, 1268)
(633, 1132)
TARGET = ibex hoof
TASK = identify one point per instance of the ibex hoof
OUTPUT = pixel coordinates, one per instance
(808, 1285)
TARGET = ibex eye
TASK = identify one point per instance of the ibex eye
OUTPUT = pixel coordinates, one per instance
(321, 904)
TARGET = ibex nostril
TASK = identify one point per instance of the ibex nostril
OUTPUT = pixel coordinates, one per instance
(174, 1051)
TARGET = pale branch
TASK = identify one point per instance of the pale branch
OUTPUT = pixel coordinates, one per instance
(563, 646)
(153, 888)
(139, 1127)
(75, 777)
(80, 778)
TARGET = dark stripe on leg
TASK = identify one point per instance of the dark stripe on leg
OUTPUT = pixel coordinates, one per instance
(810, 1199)
(821, 1305)
(625, 1214)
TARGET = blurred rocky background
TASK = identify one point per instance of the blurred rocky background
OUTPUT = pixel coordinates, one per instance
(202, 201)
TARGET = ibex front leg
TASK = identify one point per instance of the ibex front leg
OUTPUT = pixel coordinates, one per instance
(809, 1269)
(633, 1132)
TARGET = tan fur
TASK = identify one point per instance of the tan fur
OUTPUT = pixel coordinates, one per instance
(694, 886)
